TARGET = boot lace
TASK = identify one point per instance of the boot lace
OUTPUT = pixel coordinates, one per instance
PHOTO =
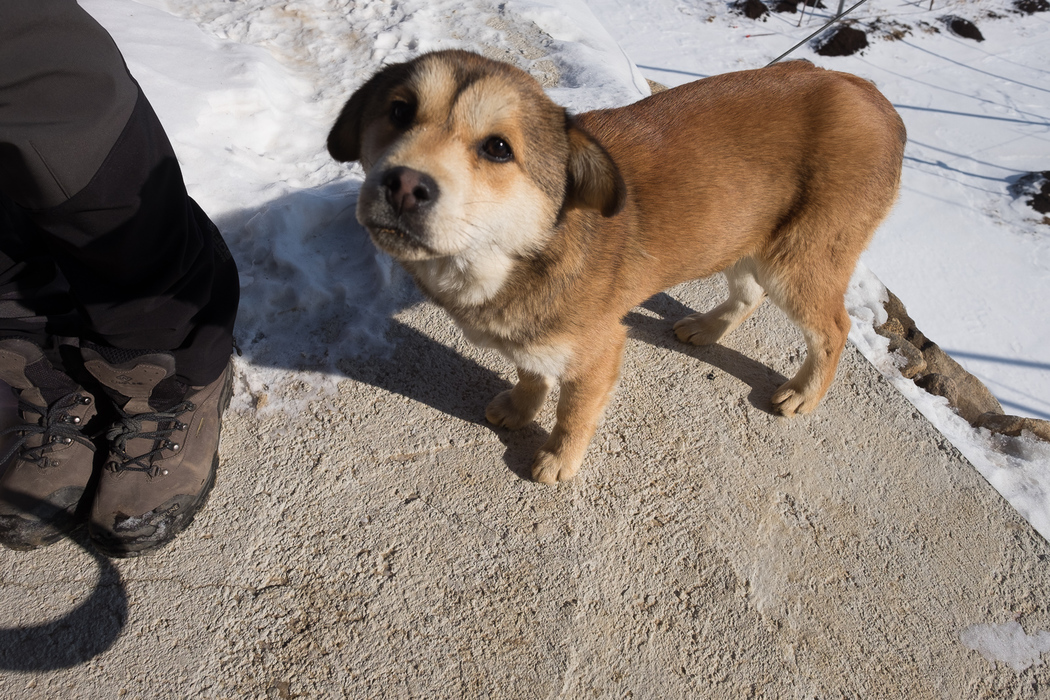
(129, 427)
(57, 427)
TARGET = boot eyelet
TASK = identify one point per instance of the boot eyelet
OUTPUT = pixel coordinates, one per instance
(67, 441)
(174, 446)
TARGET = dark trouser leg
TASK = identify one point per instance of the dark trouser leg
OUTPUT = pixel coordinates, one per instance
(85, 161)
(101, 242)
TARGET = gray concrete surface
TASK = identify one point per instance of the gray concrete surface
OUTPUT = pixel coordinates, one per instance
(384, 544)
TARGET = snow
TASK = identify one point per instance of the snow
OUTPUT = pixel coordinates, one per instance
(247, 91)
(1007, 643)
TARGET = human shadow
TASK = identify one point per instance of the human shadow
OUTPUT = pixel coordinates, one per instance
(79, 635)
(763, 381)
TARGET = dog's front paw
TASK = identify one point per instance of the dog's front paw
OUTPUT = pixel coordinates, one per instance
(504, 413)
(550, 468)
(790, 401)
(700, 329)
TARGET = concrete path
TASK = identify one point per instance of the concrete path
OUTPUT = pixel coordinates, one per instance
(384, 544)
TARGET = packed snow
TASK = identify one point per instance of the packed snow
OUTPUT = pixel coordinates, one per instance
(247, 91)
(1008, 644)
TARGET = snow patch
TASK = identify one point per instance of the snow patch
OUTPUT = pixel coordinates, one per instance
(1008, 644)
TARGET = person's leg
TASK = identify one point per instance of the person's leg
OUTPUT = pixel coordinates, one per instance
(95, 185)
(47, 153)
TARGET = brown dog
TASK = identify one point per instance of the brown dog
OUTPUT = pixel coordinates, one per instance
(538, 231)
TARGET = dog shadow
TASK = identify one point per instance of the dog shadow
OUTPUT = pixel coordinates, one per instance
(317, 295)
(762, 380)
(425, 370)
(320, 297)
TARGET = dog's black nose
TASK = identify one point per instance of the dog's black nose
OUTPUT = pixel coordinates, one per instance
(408, 190)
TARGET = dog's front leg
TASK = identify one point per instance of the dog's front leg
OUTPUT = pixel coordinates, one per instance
(585, 390)
(517, 407)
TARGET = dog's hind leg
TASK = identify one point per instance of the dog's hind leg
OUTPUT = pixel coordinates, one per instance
(517, 407)
(816, 306)
(745, 294)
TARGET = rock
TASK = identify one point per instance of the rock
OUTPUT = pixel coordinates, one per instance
(1030, 7)
(893, 326)
(962, 27)
(939, 385)
(901, 323)
(1037, 186)
(1013, 426)
(753, 9)
(844, 41)
(895, 332)
(935, 371)
(655, 87)
(973, 399)
(914, 362)
(1040, 428)
(1001, 424)
(786, 6)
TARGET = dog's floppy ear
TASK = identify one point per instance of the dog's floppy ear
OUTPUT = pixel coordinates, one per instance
(594, 180)
(344, 140)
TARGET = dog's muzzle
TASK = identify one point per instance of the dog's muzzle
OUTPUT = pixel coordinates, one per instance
(394, 208)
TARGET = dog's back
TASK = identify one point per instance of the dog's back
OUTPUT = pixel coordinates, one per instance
(766, 163)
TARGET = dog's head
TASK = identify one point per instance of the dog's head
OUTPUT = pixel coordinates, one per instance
(466, 156)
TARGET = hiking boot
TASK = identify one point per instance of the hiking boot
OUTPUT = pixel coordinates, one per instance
(163, 451)
(48, 463)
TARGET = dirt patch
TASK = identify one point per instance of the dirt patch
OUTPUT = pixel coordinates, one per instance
(962, 27)
(1030, 7)
(1034, 185)
(889, 30)
(843, 41)
(752, 9)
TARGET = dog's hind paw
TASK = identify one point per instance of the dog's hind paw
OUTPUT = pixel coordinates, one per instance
(549, 468)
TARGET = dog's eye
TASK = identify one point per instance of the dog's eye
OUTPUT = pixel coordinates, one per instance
(401, 114)
(497, 149)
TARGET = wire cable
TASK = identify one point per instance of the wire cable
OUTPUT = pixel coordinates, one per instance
(832, 21)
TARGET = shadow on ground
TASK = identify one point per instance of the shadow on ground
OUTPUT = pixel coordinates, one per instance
(80, 635)
(659, 332)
